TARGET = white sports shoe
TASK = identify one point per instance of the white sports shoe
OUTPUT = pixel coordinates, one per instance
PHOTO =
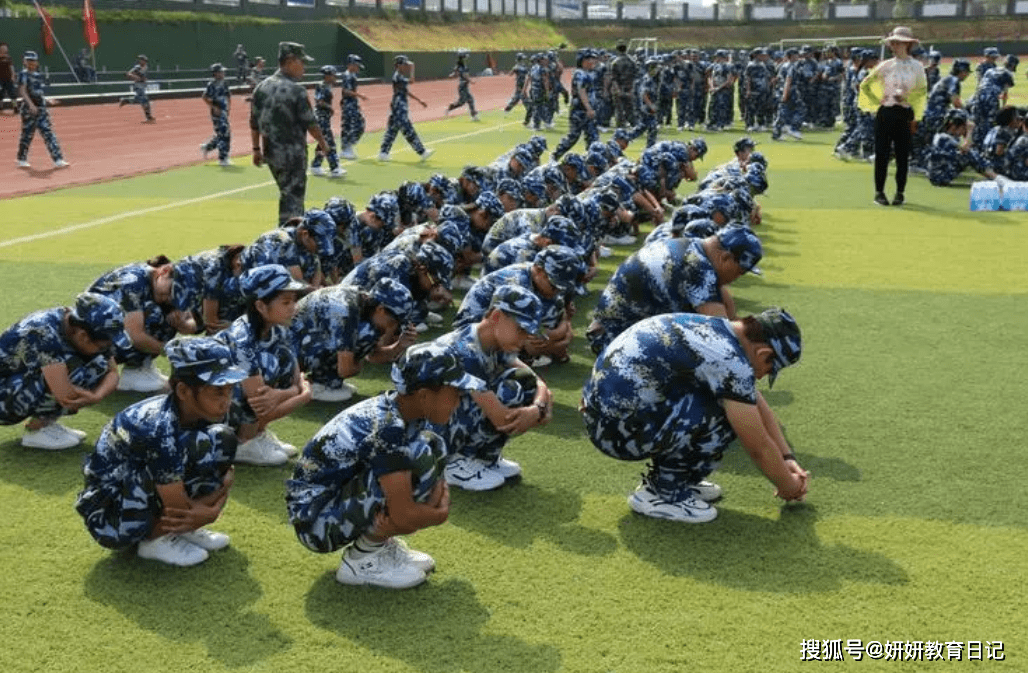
(689, 509)
(605, 251)
(384, 156)
(794, 133)
(317, 170)
(225, 163)
(507, 469)
(203, 150)
(348, 153)
(206, 539)
(77, 434)
(433, 318)
(24, 164)
(50, 438)
(475, 118)
(143, 379)
(285, 447)
(61, 163)
(427, 153)
(463, 283)
(706, 491)
(542, 361)
(471, 475)
(380, 569)
(421, 328)
(323, 393)
(337, 173)
(172, 549)
(406, 556)
(259, 451)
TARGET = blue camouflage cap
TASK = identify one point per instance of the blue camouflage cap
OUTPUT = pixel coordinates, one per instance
(757, 158)
(203, 358)
(294, 49)
(104, 318)
(490, 203)
(721, 203)
(991, 51)
(519, 303)
(436, 260)
(783, 336)
(607, 200)
(414, 194)
(355, 58)
(562, 265)
(263, 281)
(449, 235)
(538, 144)
(328, 70)
(792, 51)
(458, 216)
(555, 177)
(701, 228)
(430, 365)
(561, 231)
(1011, 62)
(685, 214)
(524, 157)
(217, 67)
(444, 186)
(578, 163)
(571, 208)
(597, 160)
(534, 185)
(322, 227)
(394, 296)
(31, 56)
(699, 146)
(744, 246)
(386, 207)
(341, 211)
(744, 143)
(509, 186)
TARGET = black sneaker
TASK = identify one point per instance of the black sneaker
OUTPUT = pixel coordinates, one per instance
(881, 199)
(898, 199)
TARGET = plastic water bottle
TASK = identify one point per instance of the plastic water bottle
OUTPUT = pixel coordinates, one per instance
(985, 196)
(1019, 200)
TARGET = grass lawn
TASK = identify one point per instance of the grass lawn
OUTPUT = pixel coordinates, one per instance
(907, 407)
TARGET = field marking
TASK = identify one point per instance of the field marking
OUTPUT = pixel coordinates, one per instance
(217, 195)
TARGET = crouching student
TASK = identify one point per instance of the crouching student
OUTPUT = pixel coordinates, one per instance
(261, 345)
(677, 389)
(55, 362)
(375, 471)
(515, 399)
(162, 468)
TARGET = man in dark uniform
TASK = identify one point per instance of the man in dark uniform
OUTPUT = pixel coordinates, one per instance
(8, 89)
(280, 119)
(622, 86)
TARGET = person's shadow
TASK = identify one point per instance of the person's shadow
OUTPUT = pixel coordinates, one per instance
(207, 604)
(437, 627)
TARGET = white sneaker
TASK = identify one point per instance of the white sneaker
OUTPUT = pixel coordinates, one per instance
(688, 510)
(348, 153)
(542, 361)
(317, 170)
(605, 251)
(24, 164)
(507, 469)
(427, 153)
(172, 549)
(259, 451)
(627, 239)
(549, 126)
(475, 118)
(379, 569)
(706, 491)
(50, 438)
(471, 475)
(203, 150)
(322, 393)
(602, 129)
(285, 447)
(463, 283)
(383, 156)
(433, 318)
(421, 328)
(337, 173)
(206, 539)
(794, 133)
(144, 379)
(225, 163)
(404, 555)
(77, 434)
(61, 163)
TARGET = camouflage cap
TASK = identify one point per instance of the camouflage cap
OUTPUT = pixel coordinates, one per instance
(562, 265)
(437, 261)
(394, 296)
(328, 70)
(400, 59)
(103, 316)
(598, 160)
(561, 231)
(578, 163)
(534, 185)
(449, 235)
(555, 177)
(204, 358)
(758, 158)
(743, 143)
(322, 227)
(217, 67)
(607, 200)
(31, 56)
(756, 178)
(142, 57)
(1011, 62)
(538, 143)
(444, 186)
(685, 214)
(341, 211)
(263, 281)
(385, 206)
(519, 303)
(960, 65)
(490, 203)
(292, 50)
(744, 246)
(524, 157)
(509, 186)
(699, 146)
(701, 228)
(783, 335)
(414, 194)
(991, 51)
(429, 365)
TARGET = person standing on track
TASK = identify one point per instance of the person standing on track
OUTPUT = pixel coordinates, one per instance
(34, 113)
(138, 76)
(218, 99)
(280, 119)
(352, 127)
(399, 112)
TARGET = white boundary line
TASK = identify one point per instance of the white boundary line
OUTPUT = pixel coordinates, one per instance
(217, 195)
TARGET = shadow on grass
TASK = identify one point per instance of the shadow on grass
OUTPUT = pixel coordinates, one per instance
(519, 513)
(748, 552)
(436, 627)
(44, 472)
(207, 604)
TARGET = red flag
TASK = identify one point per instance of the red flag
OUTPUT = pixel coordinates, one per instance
(46, 30)
(89, 19)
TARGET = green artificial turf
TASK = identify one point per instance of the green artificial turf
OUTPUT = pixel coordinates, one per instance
(907, 407)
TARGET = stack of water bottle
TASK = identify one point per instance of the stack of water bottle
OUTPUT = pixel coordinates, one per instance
(999, 194)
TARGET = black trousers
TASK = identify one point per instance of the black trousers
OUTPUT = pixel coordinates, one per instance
(892, 131)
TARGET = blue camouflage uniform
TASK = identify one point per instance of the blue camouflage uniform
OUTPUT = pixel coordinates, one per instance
(279, 246)
(647, 112)
(352, 127)
(833, 72)
(399, 265)
(34, 84)
(720, 105)
(270, 357)
(464, 96)
(513, 224)
(758, 80)
(987, 102)
(946, 161)
(479, 298)
(656, 392)
(139, 96)
(538, 80)
(520, 72)
(218, 93)
(940, 97)
(323, 111)
(579, 122)
(399, 117)
(211, 272)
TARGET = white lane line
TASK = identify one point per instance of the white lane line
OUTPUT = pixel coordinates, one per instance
(217, 195)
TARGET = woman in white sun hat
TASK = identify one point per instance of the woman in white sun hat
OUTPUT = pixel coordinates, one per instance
(895, 92)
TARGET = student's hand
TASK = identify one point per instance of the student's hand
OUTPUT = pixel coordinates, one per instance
(175, 520)
(797, 489)
(258, 158)
(262, 401)
(423, 103)
(519, 421)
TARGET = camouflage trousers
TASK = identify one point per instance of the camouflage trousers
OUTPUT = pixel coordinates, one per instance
(222, 138)
(277, 366)
(26, 395)
(352, 127)
(325, 124)
(518, 97)
(758, 113)
(399, 122)
(985, 110)
(683, 105)
(463, 97)
(791, 113)
(699, 105)
(647, 125)
(624, 110)
(944, 168)
(664, 106)
(288, 165)
(120, 508)
(537, 109)
(155, 323)
(470, 434)
(719, 112)
(604, 111)
(336, 516)
(40, 121)
(139, 97)
(578, 123)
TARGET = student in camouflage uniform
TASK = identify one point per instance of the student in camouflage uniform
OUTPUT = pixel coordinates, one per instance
(217, 271)
(720, 84)
(514, 400)
(280, 119)
(791, 110)
(34, 113)
(55, 362)
(162, 468)
(242, 63)
(218, 99)
(829, 96)
(375, 471)
(305, 246)
(648, 93)
(675, 276)
(538, 91)
(323, 111)
(604, 104)
(137, 74)
(991, 93)
(932, 71)
(622, 86)
(987, 63)
(520, 74)
(941, 98)
(582, 114)
(757, 89)
(677, 389)
(952, 151)
(556, 71)
(558, 230)
(353, 119)
(460, 71)
(399, 113)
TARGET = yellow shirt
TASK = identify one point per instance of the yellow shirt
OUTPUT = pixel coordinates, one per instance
(896, 81)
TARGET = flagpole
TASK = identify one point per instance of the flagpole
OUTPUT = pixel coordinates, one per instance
(92, 53)
(56, 41)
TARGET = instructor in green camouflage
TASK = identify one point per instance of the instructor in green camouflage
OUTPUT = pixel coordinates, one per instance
(280, 119)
